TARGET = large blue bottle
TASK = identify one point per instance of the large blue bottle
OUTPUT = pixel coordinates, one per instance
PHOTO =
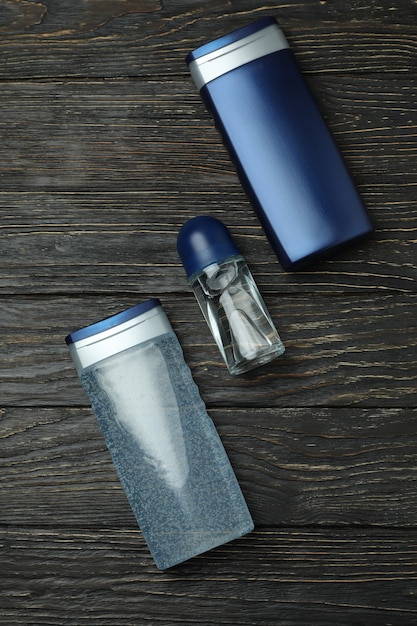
(284, 153)
(165, 448)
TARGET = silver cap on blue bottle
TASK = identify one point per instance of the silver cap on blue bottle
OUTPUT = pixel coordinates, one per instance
(223, 55)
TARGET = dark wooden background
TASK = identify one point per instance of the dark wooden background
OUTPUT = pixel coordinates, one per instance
(106, 149)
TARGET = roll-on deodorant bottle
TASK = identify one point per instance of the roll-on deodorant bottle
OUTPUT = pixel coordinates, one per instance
(166, 450)
(285, 155)
(228, 296)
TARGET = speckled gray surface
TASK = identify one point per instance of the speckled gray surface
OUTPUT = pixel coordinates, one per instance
(166, 450)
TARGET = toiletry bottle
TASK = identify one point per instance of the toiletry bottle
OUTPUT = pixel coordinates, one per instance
(228, 296)
(285, 155)
(166, 450)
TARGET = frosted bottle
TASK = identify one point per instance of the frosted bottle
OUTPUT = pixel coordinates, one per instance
(166, 450)
(228, 296)
(285, 156)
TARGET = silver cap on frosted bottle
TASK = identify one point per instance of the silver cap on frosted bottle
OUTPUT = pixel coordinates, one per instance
(116, 333)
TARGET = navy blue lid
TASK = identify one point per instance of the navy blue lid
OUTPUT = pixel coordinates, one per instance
(204, 240)
(112, 321)
(240, 33)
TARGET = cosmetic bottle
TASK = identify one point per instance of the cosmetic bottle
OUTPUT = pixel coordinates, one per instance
(166, 450)
(285, 155)
(228, 296)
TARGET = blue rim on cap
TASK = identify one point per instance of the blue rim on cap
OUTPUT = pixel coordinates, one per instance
(245, 31)
(112, 321)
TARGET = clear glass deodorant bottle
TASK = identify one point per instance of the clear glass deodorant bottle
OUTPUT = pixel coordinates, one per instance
(228, 296)
(166, 450)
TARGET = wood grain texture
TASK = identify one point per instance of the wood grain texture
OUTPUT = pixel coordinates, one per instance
(270, 577)
(100, 243)
(339, 352)
(97, 204)
(297, 467)
(106, 149)
(112, 136)
(98, 38)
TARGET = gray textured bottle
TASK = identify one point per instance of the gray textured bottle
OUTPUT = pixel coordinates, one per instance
(165, 448)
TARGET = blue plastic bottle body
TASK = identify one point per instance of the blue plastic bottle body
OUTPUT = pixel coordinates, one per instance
(286, 158)
(166, 450)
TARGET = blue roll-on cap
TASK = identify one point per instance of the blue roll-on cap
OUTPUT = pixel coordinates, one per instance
(204, 240)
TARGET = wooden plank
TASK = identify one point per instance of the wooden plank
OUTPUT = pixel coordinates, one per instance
(101, 136)
(102, 205)
(99, 243)
(269, 577)
(297, 467)
(141, 38)
(340, 352)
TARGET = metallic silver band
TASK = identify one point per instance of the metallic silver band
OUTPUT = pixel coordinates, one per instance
(93, 349)
(215, 64)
